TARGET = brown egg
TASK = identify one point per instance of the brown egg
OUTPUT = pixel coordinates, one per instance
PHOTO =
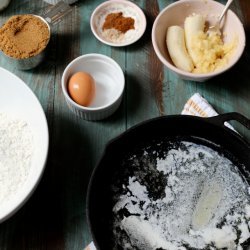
(81, 88)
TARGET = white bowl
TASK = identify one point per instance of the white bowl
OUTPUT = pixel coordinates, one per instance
(175, 14)
(128, 9)
(17, 100)
(109, 80)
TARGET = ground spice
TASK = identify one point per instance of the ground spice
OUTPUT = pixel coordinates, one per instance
(119, 22)
(24, 36)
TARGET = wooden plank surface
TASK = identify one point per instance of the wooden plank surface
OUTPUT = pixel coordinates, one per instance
(54, 217)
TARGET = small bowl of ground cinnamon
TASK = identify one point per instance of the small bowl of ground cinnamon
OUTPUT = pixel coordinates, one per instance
(118, 23)
(23, 39)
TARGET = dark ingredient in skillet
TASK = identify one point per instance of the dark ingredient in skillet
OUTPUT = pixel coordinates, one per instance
(195, 199)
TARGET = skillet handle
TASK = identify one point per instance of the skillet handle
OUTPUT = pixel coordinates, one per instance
(221, 119)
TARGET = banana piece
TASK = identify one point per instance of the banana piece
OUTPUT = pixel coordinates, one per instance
(207, 205)
(193, 25)
(177, 49)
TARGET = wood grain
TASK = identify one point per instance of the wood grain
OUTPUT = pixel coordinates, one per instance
(54, 217)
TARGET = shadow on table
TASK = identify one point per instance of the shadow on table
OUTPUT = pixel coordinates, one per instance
(60, 51)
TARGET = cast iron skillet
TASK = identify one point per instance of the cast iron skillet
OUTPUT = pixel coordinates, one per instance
(99, 197)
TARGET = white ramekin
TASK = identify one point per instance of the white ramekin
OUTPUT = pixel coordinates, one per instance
(109, 81)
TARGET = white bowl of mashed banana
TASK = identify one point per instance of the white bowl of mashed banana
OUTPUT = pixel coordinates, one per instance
(184, 43)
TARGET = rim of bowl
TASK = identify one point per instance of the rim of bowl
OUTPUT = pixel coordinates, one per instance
(65, 81)
(196, 75)
(128, 3)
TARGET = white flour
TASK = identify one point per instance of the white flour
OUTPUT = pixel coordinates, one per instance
(206, 204)
(16, 150)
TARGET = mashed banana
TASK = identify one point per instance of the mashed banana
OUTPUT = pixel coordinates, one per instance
(199, 51)
(211, 53)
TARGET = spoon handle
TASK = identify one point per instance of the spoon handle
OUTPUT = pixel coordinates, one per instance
(225, 9)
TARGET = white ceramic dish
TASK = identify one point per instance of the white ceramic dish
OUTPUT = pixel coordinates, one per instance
(128, 9)
(175, 14)
(109, 80)
(16, 99)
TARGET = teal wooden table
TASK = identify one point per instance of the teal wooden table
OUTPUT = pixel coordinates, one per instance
(54, 217)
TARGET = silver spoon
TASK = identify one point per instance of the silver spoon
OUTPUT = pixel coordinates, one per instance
(216, 26)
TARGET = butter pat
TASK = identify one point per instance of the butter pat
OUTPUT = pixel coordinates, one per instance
(207, 204)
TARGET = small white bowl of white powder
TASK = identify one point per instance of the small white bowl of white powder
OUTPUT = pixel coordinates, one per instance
(23, 143)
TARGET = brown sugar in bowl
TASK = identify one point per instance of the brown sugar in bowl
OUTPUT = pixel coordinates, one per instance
(23, 39)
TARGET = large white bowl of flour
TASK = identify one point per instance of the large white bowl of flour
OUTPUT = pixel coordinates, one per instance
(24, 141)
